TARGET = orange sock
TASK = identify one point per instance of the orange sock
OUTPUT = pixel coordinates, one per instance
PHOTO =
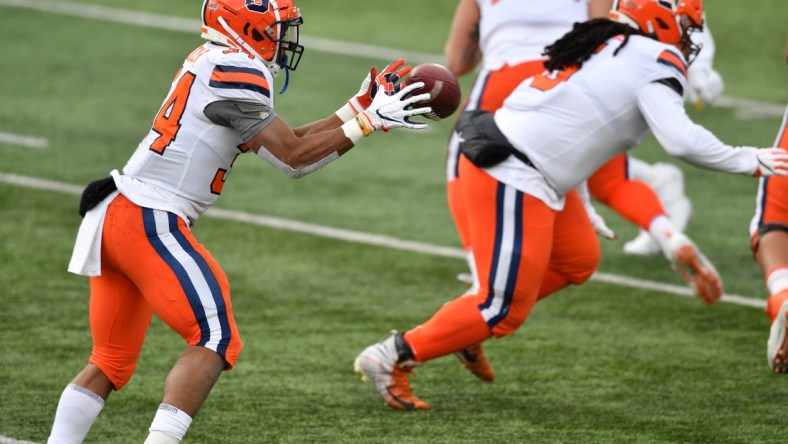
(456, 326)
(774, 303)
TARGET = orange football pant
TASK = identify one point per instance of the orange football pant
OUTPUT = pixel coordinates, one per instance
(632, 199)
(496, 88)
(151, 263)
(523, 250)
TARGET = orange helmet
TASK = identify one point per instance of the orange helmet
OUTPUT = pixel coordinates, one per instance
(669, 21)
(266, 29)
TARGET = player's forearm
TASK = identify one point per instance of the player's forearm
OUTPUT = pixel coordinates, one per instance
(329, 123)
(311, 153)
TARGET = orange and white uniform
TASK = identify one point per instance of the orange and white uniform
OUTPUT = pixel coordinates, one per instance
(527, 225)
(136, 245)
(771, 202)
(572, 123)
(512, 37)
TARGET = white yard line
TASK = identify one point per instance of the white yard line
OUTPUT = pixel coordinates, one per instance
(376, 240)
(25, 141)
(7, 440)
(743, 108)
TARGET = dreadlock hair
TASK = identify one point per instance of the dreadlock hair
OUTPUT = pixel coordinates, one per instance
(579, 44)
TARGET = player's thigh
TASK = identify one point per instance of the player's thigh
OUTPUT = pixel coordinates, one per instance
(511, 234)
(771, 217)
(180, 280)
(119, 319)
(576, 251)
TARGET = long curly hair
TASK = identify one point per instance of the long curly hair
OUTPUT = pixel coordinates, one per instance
(579, 44)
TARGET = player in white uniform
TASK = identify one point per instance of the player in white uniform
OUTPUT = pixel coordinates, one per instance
(508, 38)
(610, 81)
(135, 241)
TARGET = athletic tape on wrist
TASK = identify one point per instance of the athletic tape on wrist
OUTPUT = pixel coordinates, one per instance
(352, 131)
(346, 113)
(365, 123)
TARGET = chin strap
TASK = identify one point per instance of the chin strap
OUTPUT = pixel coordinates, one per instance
(287, 77)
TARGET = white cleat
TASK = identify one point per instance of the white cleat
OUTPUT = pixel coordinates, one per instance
(378, 364)
(777, 346)
(642, 245)
(694, 268)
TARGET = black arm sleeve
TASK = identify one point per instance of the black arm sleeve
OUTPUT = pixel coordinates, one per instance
(672, 84)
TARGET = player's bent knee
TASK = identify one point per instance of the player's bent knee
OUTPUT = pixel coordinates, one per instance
(584, 266)
(118, 370)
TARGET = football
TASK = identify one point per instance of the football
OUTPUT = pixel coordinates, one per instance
(442, 86)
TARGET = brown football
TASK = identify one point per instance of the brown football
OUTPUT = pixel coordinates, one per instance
(442, 86)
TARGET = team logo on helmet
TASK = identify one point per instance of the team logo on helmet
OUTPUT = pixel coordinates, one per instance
(257, 5)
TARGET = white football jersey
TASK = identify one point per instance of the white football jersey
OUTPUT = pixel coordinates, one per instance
(181, 165)
(513, 31)
(572, 122)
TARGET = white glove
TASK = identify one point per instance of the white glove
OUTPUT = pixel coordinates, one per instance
(772, 162)
(390, 111)
(600, 227)
(369, 86)
(705, 85)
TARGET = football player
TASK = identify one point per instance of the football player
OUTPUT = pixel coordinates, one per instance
(769, 236)
(609, 82)
(135, 242)
(508, 39)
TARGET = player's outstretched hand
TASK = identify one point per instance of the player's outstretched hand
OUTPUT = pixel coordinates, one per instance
(772, 162)
(366, 92)
(386, 80)
(391, 74)
(391, 111)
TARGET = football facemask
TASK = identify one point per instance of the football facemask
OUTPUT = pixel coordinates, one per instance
(669, 21)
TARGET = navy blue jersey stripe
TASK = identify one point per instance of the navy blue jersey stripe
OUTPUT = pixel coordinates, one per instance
(216, 291)
(672, 65)
(149, 222)
(240, 85)
(239, 69)
(259, 87)
(764, 193)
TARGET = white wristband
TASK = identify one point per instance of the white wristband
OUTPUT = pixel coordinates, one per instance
(352, 131)
(346, 113)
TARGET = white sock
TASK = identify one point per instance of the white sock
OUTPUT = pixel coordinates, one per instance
(662, 228)
(169, 425)
(76, 412)
(777, 280)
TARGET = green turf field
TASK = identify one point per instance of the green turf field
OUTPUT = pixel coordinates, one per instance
(600, 363)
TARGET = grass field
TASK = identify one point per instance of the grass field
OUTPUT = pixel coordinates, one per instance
(599, 363)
